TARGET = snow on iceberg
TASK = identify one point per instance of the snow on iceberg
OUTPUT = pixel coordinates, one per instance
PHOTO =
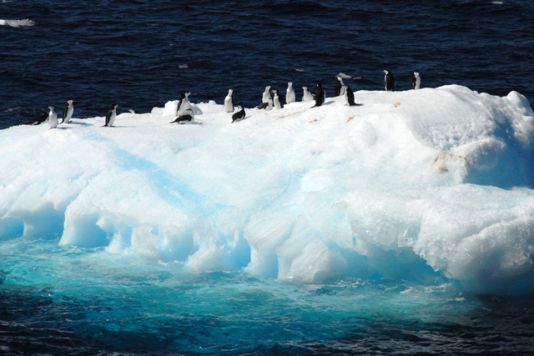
(411, 185)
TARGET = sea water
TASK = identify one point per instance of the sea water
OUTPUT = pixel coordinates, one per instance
(76, 300)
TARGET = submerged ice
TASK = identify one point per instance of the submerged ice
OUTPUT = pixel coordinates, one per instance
(411, 185)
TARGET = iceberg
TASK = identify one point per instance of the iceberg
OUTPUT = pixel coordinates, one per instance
(414, 185)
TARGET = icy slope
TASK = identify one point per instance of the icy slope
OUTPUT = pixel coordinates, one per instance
(412, 185)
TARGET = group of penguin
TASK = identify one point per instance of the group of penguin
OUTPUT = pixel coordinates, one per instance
(53, 122)
(185, 110)
(277, 101)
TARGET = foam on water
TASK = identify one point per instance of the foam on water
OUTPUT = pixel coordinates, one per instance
(412, 185)
(17, 23)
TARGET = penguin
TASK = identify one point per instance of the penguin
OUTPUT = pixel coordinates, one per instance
(319, 95)
(306, 95)
(39, 119)
(52, 117)
(240, 115)
(340, 86)
(186, 104)
(290, 93)
(182, 97)
(184, 111)
(266, 100)
(349, 94)
(229, 102)
(416, 80)
(67, 114)
(389, 80)
(111, 115)
(278, 100)
(183, 118)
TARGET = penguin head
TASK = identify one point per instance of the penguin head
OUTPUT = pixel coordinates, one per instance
(416, 74)
(70, 101)
(304, 88)
(267, 88)
(230, 91)
(386, 71)
(319, 84)
(187, 93)
(289, 84)
(51, 108)
(114, 106)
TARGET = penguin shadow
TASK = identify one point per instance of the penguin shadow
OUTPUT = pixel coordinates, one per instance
(324, 104)
(188, 123)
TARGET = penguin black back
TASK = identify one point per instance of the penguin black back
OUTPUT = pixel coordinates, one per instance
(109, 115)
(182, 97)
(40, 118)
(65, 113)
(319, 94)
(182, 119)
(389, 80)
(240, 115)
(350, 96)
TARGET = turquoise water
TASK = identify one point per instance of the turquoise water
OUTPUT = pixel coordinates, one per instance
(69, 299)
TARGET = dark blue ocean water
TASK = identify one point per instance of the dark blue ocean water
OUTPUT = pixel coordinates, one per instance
(141, 54)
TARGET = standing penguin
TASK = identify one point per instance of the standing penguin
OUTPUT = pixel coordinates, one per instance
(266, 99)
(240, 115)
(349, 95)
(389, 80)
(67, 114)
(319, 94)
(340, 86)
(52, 118)
(416, 80)
(229, 102)
(290, 93)
(111, 115)
(306, 95)
(278, 99)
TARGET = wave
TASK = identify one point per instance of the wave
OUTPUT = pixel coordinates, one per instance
(17, 23)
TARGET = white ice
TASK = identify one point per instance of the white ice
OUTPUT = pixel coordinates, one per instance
(410, 185)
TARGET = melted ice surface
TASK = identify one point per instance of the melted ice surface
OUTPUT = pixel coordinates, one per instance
(410, 185)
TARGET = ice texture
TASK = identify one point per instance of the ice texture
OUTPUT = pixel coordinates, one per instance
(411, 185)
